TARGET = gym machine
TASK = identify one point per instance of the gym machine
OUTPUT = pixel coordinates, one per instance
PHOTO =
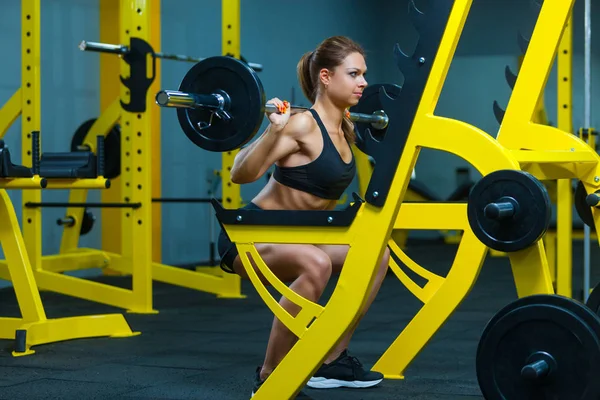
(508, 210)
(70, 170)
(136, 202)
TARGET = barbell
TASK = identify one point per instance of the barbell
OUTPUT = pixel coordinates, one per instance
(120, 49)
(221, 104)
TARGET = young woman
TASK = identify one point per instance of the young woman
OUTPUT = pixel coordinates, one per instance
(314, 165)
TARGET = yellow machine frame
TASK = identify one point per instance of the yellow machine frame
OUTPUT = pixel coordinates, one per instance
(22, 265)
(547, 152)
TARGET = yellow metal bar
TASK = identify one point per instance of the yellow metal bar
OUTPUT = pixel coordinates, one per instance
(550, 246)
(554, 156)
(564, 240)
(21, 274)
(564, 199)
(363, 170)
(10, 111)
(97, 183)
(431, 216)
(136, 168)
(88, 290)
(30, 121)
(110, 69)
(76, 260)
(230, 44)
(38, 183)
(103, 124)
(61, 329)
(155, 35)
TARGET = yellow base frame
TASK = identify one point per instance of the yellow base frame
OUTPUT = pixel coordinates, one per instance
(39, 329)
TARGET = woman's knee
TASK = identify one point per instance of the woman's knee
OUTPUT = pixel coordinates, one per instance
(316, 267)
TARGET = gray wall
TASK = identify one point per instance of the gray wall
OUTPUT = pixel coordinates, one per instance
(272, 37)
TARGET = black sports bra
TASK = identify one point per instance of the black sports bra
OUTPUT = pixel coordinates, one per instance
(327, 176)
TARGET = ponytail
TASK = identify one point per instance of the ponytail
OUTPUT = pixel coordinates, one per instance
(304, 76)
(348, 129)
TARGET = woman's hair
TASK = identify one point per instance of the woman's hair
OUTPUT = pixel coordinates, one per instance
(329, 54)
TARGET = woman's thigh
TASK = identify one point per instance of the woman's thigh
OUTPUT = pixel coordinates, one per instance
(288, 261)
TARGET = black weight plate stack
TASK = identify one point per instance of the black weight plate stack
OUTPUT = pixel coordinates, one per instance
(530, 220)
(583, 210)
(247, 104)
(368, 104)
(112, 147)
(555, 338)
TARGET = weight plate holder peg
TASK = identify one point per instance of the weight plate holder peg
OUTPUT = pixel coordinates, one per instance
(540, 347)
(509, 210)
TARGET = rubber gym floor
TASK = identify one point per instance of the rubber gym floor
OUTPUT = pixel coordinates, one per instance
(202, 347)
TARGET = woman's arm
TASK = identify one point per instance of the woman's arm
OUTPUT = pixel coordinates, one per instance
(274, 144)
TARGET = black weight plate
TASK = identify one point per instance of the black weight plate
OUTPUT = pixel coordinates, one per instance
(528, 224)
(593, 302)
(368, 104)
(583, 210)
(247, 96)
(112, 147)
(556, 325)
(87, 222)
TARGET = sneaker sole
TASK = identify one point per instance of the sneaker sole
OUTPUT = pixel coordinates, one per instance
(324, 383)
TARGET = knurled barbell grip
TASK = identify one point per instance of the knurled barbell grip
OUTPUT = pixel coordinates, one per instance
(177, 99)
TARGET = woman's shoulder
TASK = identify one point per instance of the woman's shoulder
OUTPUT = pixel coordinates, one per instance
(301, 123)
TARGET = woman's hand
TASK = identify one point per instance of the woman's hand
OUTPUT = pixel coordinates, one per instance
(280, 118)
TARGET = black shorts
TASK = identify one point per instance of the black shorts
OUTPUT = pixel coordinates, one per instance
(227, 250)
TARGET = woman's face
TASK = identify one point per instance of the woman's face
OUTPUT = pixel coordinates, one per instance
(345, 85)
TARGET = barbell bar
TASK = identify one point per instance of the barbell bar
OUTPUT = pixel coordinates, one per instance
(219, 101)
(122, 50)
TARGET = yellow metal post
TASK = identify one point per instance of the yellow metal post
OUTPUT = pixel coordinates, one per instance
(136, 182)
(109, 92)
(155, 34)
(564, 198)
(30, 121)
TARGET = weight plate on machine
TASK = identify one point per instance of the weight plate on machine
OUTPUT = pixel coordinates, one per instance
(583, 210)
(247, 104)
(87, 222)
(540, 347)
(112, 147)
(368, 104)
(532, 210)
